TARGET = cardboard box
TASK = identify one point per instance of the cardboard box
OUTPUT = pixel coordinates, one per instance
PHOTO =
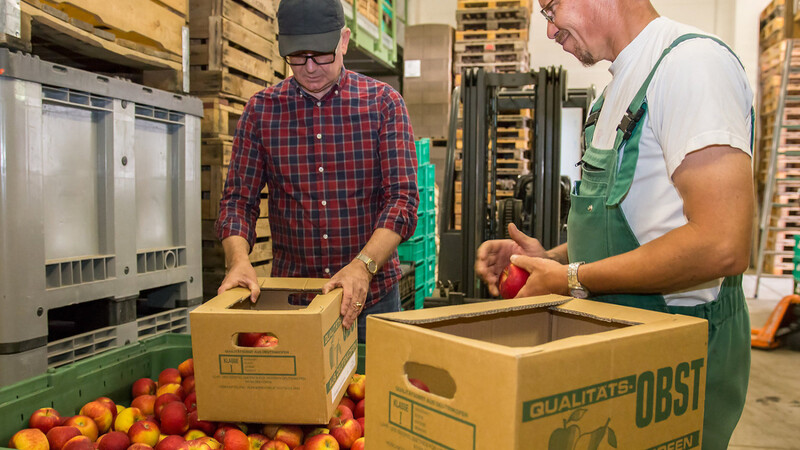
(299, 381)
(428, 79)
(542, 372)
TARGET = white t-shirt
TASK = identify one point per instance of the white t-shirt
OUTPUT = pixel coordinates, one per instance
(698, 97)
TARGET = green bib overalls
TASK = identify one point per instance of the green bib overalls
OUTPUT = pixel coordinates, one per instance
(597, 229)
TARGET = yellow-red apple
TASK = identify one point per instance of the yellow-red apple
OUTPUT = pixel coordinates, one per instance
(100, 413)
(144, 432)
(512, 280)
(126, 418)
(321, 442)
(266, 341)
(170, 442)
(162, 400)
(211, 442)
(110, 404)
(346, 433)
(29, 439)
(235, 439)
(195, 444)
(114, 440)
(85, 424)
(145, 403)
(194, 434)
(358, 444)
(361, 421)
(143, 386)
(340, 414)
(44, 419)
(346, 401)
(191, 401)
(203, 425)
(170, 375)
(186, 368)
(140, 446)
(171, 388)
(79, 443)
(174, 418)
(58, 436)
(275, 445)
(356, 388)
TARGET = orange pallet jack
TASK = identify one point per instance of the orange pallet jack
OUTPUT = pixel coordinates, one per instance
(783, 322)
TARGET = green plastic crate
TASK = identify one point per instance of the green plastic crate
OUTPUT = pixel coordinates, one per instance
(426, 176)
(425, 224)
(423, 151)
(427, 200)
(412, 250)
(109, 374)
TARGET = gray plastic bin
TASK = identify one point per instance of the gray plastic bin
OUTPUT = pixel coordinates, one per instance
(99, 199)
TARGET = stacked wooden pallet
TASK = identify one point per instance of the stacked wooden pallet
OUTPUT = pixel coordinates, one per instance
(234, 55)
(492, 35)
(141, 40)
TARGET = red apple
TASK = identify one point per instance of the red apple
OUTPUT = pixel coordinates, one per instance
(257, 440)
(78, 443)
(85, 424)
(58, 436)
(417, 383)
(144, 432)
(29, 439)
(235, 439)
(164, 399)
(170, 442)
(194, 444)
(115, 440)
(321, 442)
(145, 403)
(211, 442)
(174, 418)
(100, 413)
(111, 405)
(317, 430)
(140, 446)
(347, 433)
(248, 339)
(171, 388)
(356, 388)
(512, 280)
(188, 384)
(191, 401)
(275, 445)
(292, 435)
(361, 422)
(340, 414)
(358, 444)
(44, 419)
(186, 368)
(359, 411)
(266, 340)
(143, 386)
(209, 428)
(346, 401)
(168, 376)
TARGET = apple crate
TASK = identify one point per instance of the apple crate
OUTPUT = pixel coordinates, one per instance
(109, 374)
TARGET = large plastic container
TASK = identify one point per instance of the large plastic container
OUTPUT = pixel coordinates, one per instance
(99, 200)
(109, 374)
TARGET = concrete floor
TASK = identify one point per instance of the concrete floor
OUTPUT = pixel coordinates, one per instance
(771, 417)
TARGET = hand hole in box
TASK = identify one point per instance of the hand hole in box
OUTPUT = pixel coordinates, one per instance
(256, 339)
(423, 377)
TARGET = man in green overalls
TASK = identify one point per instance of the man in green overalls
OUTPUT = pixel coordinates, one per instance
(662, 216)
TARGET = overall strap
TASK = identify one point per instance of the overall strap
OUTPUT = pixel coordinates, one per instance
(630, 122)
(591, 120)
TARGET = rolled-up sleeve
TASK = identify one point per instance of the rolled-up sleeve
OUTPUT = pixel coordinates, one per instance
(399, 168)
(240, 205)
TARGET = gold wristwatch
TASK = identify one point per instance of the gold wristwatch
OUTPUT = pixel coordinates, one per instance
(372, 266)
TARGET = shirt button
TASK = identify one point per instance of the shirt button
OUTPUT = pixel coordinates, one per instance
(327, 270)
(319, 136)
(324, 236)
(336, 92)
(319, 103)
(321, 169)
(324, 203)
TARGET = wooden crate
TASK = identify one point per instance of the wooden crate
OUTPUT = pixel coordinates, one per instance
(469, 59)
(482, 4)
(483, 46)
(212, 183)
(520, 34)
(233, 47)
(214, 254)
(370, 10)
(90, 35)
(221, 114)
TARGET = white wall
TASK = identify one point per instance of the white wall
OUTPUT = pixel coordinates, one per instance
(735, 21)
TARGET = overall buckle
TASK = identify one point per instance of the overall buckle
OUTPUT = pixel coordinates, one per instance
(629, 121)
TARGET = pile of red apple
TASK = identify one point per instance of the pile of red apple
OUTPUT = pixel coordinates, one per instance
(163, 416)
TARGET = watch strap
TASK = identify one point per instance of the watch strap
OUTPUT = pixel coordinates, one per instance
(372, 266)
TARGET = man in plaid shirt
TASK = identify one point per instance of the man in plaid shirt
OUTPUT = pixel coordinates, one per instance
(337, 153)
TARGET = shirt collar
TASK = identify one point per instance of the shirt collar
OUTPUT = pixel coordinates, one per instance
(336, 89)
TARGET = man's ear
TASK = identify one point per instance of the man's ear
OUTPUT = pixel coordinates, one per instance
(345, 40)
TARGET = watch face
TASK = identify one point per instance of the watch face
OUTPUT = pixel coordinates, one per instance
(372, 266)
(578, 293)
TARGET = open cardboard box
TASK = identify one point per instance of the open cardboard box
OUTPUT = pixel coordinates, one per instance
(300, 381)
(541, 372)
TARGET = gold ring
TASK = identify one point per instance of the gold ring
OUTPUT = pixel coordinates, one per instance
(359, 304)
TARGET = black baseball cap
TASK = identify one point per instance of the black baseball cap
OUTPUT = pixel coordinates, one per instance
(312, 25)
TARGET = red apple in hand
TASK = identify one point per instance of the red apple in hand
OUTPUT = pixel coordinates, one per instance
(512, 280)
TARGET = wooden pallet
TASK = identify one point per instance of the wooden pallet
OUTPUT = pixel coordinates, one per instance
(499, 67)
(73, 37)
(477, 14)
(481, 46)
(505, 134)
(482, 4)
(212, 183)
(783, 241)
(494, 24)
(220, 116)
(483, 35)
(467, 59)
(778, 264)
(215, 151)
(504, 166)
(214, 254)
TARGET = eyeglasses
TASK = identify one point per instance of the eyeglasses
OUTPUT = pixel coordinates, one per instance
(548, 12)
(319, 59)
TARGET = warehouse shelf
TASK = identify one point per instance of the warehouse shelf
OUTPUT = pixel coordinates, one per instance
(373, 47)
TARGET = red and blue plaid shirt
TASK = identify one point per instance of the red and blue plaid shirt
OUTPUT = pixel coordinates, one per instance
(337, 169)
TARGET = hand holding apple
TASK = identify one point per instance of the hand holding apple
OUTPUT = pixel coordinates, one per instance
(512, 280)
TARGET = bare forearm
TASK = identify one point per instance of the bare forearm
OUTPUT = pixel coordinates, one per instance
(236, 249)
(381, 245)
(558, 253)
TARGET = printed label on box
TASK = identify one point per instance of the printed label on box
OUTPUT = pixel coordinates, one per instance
(429, 424)
(413, 68)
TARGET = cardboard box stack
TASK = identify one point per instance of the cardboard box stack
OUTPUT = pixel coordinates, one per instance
(784, 223)
(427, 78)
(421, 248)
(234, 55)
(539, 372)
(300, 380)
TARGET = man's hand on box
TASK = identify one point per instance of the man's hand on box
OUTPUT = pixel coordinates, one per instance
(354, 280)
(241, 273)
